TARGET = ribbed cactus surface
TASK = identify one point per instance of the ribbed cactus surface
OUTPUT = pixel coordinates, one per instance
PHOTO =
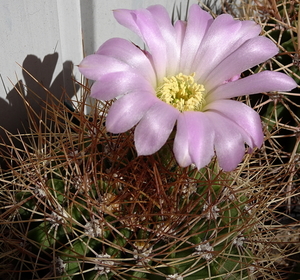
(79, 204)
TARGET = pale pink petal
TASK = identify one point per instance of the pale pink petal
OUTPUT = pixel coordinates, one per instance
(223, 37)
(261, 82)
(112, 85)
(197, 24)
(145, 25)
(155, 127)
(229, 141)
(194, 140)
(130, 54)
(162, 18)
(94, 66)
(251, 53)
(127, 111)
(249, 29)
(180, 29)
(181, 142)
(201, 139)
(128, 18)
(242, 115)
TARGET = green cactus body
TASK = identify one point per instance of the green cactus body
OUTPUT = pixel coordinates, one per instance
(131, 221)
(93, 234)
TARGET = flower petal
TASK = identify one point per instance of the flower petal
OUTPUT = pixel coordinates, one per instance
(229, 141)
(180, 29)
(112, 85)
(155, 127)
(194, 139)
(129, 53)
(201, 139)
(242, 115)
(181, 142)
(128, 110)
(261, 82)
(94, 66)
(145, 25)
(251, 53)
(197, 24)
(167, 30)
(223, 37)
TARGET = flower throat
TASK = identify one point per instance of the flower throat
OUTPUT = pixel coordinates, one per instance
(182, 92)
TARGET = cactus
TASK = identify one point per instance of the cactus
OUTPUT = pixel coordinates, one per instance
(77, 203)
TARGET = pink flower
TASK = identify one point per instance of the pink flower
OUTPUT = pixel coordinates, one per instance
(185, 78)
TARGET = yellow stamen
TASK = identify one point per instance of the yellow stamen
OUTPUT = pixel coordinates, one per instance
(182, 92)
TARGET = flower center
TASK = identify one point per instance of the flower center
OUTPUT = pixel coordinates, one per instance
(182, 92)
